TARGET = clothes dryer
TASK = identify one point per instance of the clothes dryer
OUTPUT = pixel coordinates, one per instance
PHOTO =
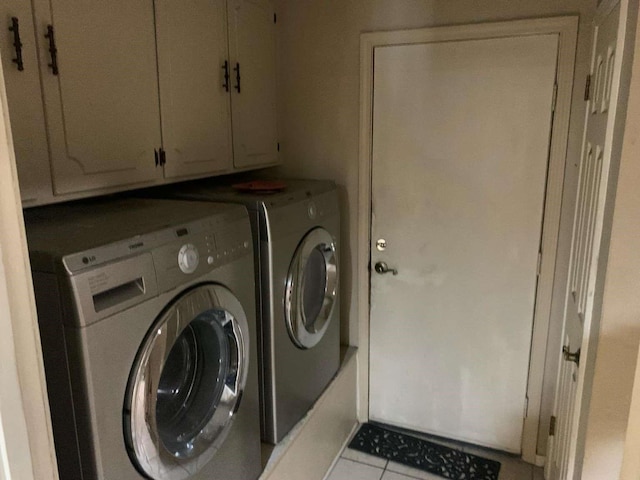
(296, 237)
(147, 319)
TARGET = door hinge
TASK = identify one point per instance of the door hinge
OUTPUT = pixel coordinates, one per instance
(163, 157)
(278, 146)
(552, 426)
(587, 88)
(555, 97)
(156, 156)
(526, 407)
(275, 19)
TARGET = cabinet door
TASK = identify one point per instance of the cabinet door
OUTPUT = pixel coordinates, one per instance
(24, 97)
(102, 108)
(192, 49)
(253, 101)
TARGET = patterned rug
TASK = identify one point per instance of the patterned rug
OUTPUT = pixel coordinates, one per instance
(423, 455)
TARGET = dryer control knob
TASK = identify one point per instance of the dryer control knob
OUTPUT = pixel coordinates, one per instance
(188, 258)
(312, 210)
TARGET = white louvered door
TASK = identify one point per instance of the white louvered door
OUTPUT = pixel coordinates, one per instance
(585, 246)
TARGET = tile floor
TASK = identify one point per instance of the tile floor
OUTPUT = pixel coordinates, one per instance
(355, 465)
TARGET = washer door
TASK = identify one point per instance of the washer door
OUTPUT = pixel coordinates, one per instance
(186, 384)
(312, 288)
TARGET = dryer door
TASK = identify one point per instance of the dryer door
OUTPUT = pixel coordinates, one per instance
(312, 288)
(186, 384)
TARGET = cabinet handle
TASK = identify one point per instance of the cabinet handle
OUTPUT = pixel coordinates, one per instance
(52, 50)
(225, 67)
(237, 70)
(15, 28)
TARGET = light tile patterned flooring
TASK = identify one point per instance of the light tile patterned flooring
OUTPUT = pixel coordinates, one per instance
(355, 465)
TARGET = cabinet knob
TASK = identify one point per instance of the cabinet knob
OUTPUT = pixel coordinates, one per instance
(225, 84)
(237, 70)
(17, 44)
(53, 51)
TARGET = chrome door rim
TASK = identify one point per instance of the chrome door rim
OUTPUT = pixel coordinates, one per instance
(319, 240)
(143, 440)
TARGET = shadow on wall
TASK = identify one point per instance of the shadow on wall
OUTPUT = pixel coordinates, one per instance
(611, 399)
(346, 270)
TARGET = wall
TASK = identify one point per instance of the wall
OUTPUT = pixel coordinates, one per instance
(26, 441)
(319, 106)
(631, 459)
(619, 337)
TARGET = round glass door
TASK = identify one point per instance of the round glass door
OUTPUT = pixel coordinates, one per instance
(187, 383)
(312, 288)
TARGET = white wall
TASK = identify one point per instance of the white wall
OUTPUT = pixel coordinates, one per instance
(26, 442)
(619, 337)
(631, 459)
(319, 104)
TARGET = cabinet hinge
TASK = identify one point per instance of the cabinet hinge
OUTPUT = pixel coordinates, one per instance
(526, 407)
(275, 18)
(587, 88)
(555, 97)
(552, 426)
(278, 146)
(163, 157)
(156, 156)
(539, 266)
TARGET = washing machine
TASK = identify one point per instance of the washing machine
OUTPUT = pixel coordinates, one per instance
(296, 230)
(147, 320)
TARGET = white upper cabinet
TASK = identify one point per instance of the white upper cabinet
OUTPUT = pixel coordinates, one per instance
(100, 88)
(120, 95)
(22, 82)
(194, 98)
(252, 52)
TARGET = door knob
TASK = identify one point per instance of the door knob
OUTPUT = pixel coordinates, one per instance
(571, 357)
(382, 267)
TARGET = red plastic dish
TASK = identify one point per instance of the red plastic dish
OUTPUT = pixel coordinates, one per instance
(261, 186)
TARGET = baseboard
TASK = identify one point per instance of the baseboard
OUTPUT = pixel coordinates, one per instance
(342, 447)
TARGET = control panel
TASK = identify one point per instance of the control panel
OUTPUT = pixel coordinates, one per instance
(116, 276)
(197, 251)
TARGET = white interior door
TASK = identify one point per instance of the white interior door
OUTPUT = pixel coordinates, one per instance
(585, 245)
(461, 135)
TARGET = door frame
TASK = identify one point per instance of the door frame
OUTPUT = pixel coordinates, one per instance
(566, 27)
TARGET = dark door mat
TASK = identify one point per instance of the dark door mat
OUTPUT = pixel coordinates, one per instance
(423, 455)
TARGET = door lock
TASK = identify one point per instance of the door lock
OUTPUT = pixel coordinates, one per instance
(571, 357)
(382, 268)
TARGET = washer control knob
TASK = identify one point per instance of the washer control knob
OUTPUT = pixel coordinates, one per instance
(188, 258)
